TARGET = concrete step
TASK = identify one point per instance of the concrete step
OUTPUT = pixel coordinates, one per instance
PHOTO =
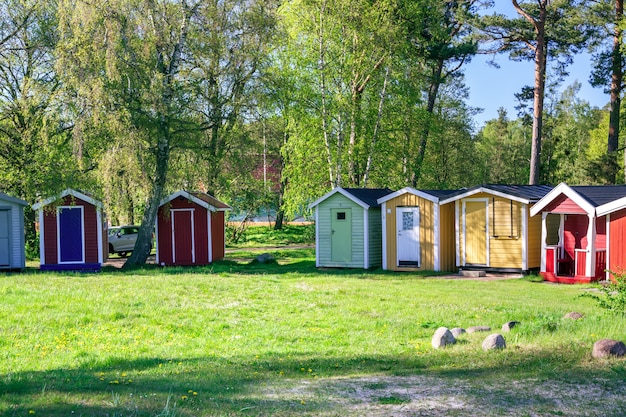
(473, 274)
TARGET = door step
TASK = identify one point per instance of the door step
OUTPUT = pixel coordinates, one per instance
(472, 274)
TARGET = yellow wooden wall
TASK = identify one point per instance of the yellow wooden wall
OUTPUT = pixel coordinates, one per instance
(534, 240)
(504, 251)
(427, 235)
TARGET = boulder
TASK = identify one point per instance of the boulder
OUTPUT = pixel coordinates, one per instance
(442, 337)
(457, 331)
(574, 315)
(607, 347)
(494, 341)
(506, 327)
(475, 329)
(265, 258)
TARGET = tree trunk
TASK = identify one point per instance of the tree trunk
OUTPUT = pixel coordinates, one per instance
(144, 237)
(541, 52)
(433, 90)
(616, 90)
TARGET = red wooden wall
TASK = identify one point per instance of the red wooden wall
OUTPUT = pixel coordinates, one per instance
(50, 230)
(617, 241)
(201, 236)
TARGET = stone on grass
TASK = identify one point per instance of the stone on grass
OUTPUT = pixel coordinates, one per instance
(494, 341)
(457, 331)
(607, 347)
(506, 327)
(475, 329)
(442, 337)
(574, 315)
(265, 258)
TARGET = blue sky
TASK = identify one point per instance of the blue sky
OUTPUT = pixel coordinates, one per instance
(492, 88)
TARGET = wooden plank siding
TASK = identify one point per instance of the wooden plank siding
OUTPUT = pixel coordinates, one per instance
(534, 240)
(325, 232)
(505, 233)
(617, 241)
(17, 257)
(427, 233)
(447, 246)
(375, 238)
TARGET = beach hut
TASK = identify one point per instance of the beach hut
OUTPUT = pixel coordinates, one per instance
(348, 228)
(418, 231)
(12, 244)
(583, 232)
(493, 227)
(190, 229)
(72, 232)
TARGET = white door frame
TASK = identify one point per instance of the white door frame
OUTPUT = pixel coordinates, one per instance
(193, 238)
(416, 211)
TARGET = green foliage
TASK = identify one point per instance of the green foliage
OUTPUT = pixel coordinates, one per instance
(613, 295)
(261, 236)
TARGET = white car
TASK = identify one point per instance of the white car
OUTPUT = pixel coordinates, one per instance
(122, 239)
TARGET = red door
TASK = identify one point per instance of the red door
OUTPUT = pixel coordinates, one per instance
(183, 250)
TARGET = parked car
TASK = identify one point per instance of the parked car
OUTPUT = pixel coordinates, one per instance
(122, 239)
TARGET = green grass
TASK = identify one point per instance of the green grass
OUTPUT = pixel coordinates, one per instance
(266, 236)
(218, 340)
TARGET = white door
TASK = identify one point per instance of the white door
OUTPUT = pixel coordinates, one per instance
(408, 243)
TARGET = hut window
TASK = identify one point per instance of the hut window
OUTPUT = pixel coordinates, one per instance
(553, 226)
(341, 215)
(506, 219)
(407, 220)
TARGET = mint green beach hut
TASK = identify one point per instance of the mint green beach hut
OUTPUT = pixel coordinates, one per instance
(348, 228)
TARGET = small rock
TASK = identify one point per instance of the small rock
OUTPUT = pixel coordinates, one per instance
(264, 258)
(474, 329)
(574, 315)
(494, 341)
(457, 331)
(506, 327)
(607, 347)
(442, 337)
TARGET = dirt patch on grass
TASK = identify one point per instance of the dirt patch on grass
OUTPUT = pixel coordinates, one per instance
(384, 396)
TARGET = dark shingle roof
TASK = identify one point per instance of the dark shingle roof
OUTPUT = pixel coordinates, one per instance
(528, 192)
(441, 194)
(598, 195)
(369, 195)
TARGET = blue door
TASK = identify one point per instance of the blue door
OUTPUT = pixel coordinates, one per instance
(70, 234)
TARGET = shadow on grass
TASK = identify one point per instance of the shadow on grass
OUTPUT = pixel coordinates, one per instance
(204, 386)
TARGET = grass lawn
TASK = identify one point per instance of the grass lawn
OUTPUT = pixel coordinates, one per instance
(234, 339)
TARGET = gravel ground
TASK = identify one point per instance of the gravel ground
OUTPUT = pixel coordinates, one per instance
(387, 396)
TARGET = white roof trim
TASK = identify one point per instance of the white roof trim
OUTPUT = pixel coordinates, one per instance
(65, 193)
(611, 207)
(191, 197)
(565, 189)
(485, 190)
(5, 197)
(342, 192)
(408, 190)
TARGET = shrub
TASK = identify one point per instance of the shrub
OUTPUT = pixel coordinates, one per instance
(612, 296)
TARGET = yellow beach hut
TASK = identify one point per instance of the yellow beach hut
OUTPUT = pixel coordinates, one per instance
(494, 230)
(418, 231)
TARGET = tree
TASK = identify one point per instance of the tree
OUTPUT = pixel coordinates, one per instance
(38, 154)
(608, 72)
(440, 40)
(547, 30)
(154, 67)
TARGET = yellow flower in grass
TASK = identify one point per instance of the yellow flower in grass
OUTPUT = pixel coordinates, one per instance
(31, 411)
(184, 397)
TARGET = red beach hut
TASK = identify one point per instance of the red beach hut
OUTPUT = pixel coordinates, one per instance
(190, 229)
(71, 232)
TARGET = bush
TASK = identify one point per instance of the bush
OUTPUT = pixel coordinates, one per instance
(613, 295)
